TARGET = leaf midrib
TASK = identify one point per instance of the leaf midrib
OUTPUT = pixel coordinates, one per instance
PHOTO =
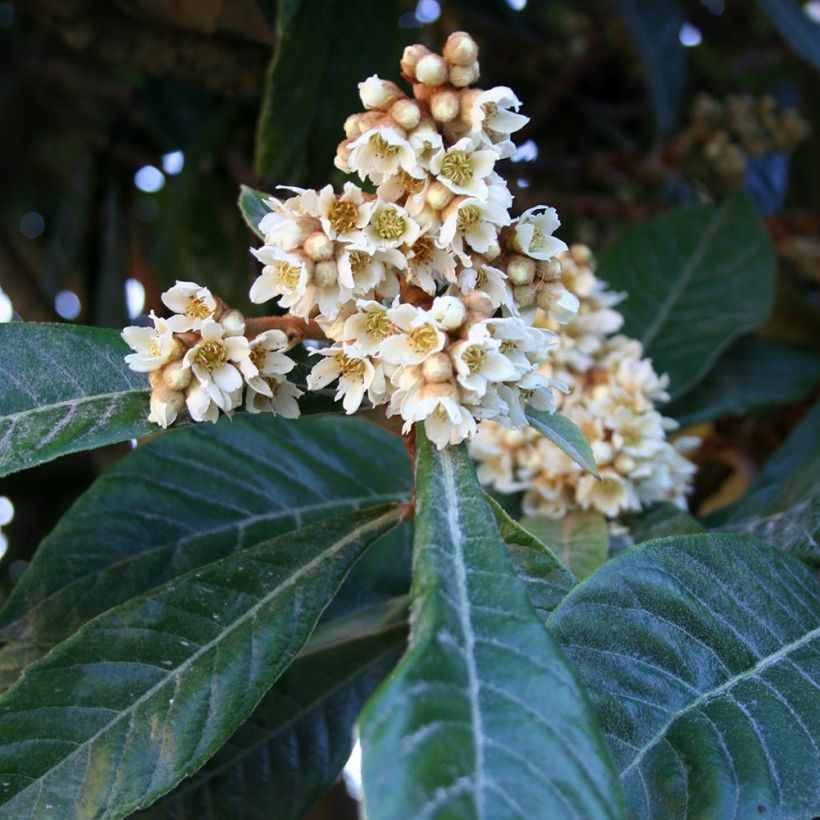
(249, 614)
(760, 666)
(85, 399)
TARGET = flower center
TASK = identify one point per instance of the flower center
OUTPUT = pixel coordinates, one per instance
(490, 109)
(211, 355)
(381, 147)
(350, 368)
(257, 357)
(423, 249)
(468, 216)
(197, 309)
(342, 215)
(456, 166)
(423, 339)
(287, 275)
(474, 357)
(389, 224)
(411, 184)
(154, 348)
(537, 238)
(378, 325)
(358, 261)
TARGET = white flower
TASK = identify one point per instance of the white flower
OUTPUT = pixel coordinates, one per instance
(325, 289)
(202, 406)
(533, 233)
(490, 112)
(279, 397)
(284, 274)
(154, 346)
(463, 168)
(6, 312)
(390, 226)
(220, 364)
(267, 356)
(192, 302)
(342, 217)
(355, 374)
(380, 153)
(426, 142)
(491, 281)
(445, 420)
(471, 220)
(429, 265)
(166, 405)
(478, 360)
(365, 331)
(418, 339)
(364, 270)
(610, 494)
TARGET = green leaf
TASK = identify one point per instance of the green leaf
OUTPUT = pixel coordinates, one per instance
(696, 279)
(313, 707)
(565, 434)
(306, 101)
(482, 717)
(187, 499)
(656, 29)
(65, 389)
(701, 653)
(783, 504)
(752, 375)
(660, 520)
(801, 32)
(252, 206)
(545, 578)
(143, 695)
(580, 539)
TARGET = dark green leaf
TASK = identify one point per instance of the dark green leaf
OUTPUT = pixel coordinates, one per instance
(142, 696)
(751, 375)
(482, 717)
(800, 31)
(702, 654)
(65, 389)
(310, 89)
(580, 539)
(187, 499)
(263, 771)
(656, 29)
(660, 520)
(696, 279)
(565, 434)
(545, 578)
(252, 207)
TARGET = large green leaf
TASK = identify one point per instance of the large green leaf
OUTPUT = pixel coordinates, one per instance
(801, 32)
(306, 101)
(291, 749)
(702, 654)
(65, 389)
(565, 434)
(783, 504)
(483, 717)
(545, 578)
(656, 29)
(580, 539)
(696, 279)
(143, 695)
(751, 375)
(195, 496)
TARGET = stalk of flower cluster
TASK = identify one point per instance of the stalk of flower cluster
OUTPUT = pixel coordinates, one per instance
(612, 395)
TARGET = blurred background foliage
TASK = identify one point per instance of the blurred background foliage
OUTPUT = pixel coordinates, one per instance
(127, 128)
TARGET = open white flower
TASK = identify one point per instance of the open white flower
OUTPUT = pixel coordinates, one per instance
(364, 270)
(266, 353)
(279, 397)
(284, 275)
(533, 233)
(192, 303)
(341, 216)
(490, 111)
(489, 280)
(355, 374)
(464, 168)
(474, 221)
(220, 364)
(366, 330)
(380, 153)
(390, 226)
(419, 337)
(478, 360)
(428, 265)
(426, 142)
(445, 420)
(153, 346)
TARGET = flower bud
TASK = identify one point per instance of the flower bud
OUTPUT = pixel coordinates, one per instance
(439, 196)
(166, 405)
(478, 302)
(580, 254)
(437, 368)
(449, 311)
(463, 75)
(444, 105)
(377, 93)
(410, 58)
(406, 113)
(431, 70)
(176, 376)
(558, 302)
(233, 322)
(352, 127)
(493, 250)
(549, 269)
(521, 270)
(325, 273)
(624, 464)
(155, 377)
(318, 246)
(524, 295)
(460, 49)
(342, 157)
(440, 390)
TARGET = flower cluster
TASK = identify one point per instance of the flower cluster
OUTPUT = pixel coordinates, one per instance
(725, 133)
(613, 392)
(425, 289)
(201, 359)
